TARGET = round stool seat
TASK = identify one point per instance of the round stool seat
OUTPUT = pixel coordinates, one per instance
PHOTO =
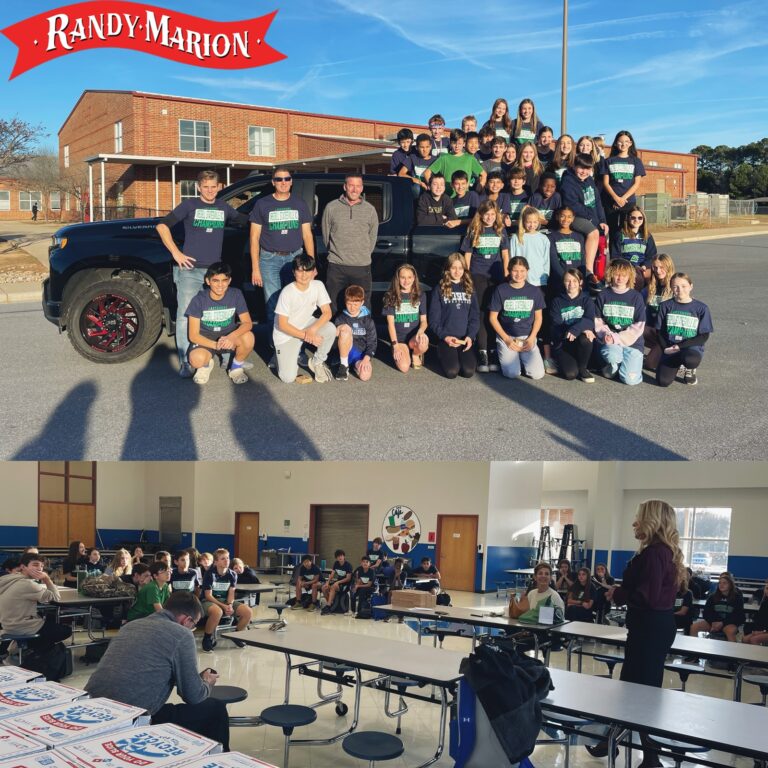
(401, 683)
(279, 607)
(337, 667)
(229, 694)
(373, 745)
(691, 669)
(609, 659)
(288, 715)
(761, 681)
(568, 719)
(678, 746)
(18, 636)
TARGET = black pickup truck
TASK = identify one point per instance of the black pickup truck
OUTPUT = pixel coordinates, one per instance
(111, 284)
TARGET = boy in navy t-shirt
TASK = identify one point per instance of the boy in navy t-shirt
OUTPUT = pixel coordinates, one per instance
(434, 208)
(219, 322)
(365, 581)
(308, 579)
(440, 142)
(184, 578)
(204, 220)
(341, 576)
(465, 202)
(427, 576)
(357, 336)
(417, 163)
(402, 156)
(219, 599)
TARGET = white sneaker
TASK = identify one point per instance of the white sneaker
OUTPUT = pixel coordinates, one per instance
(203, 374)
(320, 369)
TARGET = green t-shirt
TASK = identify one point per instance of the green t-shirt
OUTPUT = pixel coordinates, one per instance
(149, 594)
(449, 164)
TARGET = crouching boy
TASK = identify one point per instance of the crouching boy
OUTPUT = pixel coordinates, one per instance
(357, 336)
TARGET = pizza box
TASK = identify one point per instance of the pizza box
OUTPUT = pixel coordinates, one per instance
(413, 598)
(76, 721)
(14, 744)
(29, 697)
(151, 746)
(16, 675)
(228, 760)
(45, 759)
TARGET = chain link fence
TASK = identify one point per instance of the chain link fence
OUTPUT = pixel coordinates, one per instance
(665, 210)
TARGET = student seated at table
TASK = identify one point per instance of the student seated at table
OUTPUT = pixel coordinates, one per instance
(219, 599)
(376, 554)
(20, 594)
(760, 594)
(339, 582)
(72, 562)
(580, 598)
(153, 595)
(164, 557)
(121, 565)
(307, 582)
(756, 631)
(94, 566)
(543, 589)
(204, 562)
(139, 576)
(11, 565)
(246, 575)
(427, 576)
(564, 578)
(684, 607)
(184, 578)
(364, 586)
(723, 612)
(698, 584)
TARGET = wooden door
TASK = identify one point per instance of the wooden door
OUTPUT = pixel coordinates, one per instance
(247, 538)
(82, 523)
(457, 551)
(52, 524)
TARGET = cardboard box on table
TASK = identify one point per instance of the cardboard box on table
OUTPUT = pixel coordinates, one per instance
(20, 698)
(228, 760)
(413, 598)
(45, 759)
(17, 675)
(14, 744)
(151, 746)
(76, 721)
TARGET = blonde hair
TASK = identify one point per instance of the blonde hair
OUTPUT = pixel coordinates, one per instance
(538, 168)
(620, 267)
(663, 288)
(657, 521)
(121, 570)
(527, 212)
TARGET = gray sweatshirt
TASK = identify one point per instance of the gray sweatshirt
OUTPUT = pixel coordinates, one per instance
(19, 596)
(145, 660)
(349, 232)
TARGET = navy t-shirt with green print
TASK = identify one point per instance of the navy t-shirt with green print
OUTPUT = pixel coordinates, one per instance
(677, 322)
(203, 228)
(280, 222)
(516, 307)
(621, 172)
(217, 318)
(565, 252)
(486, 255)
(341, 570)
(620, 310)
(219, 584)
(407, 316)
(184, 582)
(638, 252)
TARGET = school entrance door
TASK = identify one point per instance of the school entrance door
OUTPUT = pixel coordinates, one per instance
(338, 526)
(247, 538)
(457, 551)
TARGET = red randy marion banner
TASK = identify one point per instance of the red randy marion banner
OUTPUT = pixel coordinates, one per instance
(145, 28)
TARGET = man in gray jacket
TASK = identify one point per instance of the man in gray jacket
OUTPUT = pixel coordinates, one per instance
(151, 655)
(350, 227)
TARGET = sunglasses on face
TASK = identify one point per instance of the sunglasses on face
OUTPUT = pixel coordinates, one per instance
(635, 218)
(281, 178)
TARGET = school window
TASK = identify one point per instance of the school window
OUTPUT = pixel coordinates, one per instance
(261, 141)
(194, 136)
(704, 537)
(119, 136)
(55, 200)
(556, 519)
(652, 163)
(66, 155)
(67, 201)
(188, 189)
(28, 199)
(5, 200)
(678, 166)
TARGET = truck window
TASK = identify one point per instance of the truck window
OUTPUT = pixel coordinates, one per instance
(378, 195)
(245, 198)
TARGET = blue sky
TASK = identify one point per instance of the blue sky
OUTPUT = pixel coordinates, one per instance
(675, 74)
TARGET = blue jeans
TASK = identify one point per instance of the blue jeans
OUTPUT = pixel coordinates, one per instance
(188, 283)
(276, 273)
(628, 361)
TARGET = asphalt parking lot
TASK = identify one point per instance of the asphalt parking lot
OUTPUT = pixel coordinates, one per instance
(56, 405)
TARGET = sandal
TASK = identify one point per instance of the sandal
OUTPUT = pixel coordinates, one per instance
(417, 362)
(238, 375)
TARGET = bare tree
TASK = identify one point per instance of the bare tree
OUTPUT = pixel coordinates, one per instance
(41, 174)
(17, 142)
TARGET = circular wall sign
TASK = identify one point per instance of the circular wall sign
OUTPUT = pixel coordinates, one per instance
(401, 529)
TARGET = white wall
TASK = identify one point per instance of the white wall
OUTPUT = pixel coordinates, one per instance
(18, 504)
(514, 503)
(120, 494)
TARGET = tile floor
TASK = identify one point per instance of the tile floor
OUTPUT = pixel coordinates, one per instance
(263, 674)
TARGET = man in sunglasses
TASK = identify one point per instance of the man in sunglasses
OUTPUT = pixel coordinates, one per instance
(149, 656)
(280, 225)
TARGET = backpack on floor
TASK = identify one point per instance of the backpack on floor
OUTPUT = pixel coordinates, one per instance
(364, 607)
(55, 663)
(443, 599)
(376, 600)
(94, 652)
(340, 602)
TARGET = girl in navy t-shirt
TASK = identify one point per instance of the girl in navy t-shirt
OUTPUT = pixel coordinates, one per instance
(454, 317)
(516, 314)
(499, 120)
(528, 160)
(658, 290)
(565, 153)
(405, 307)
(486, 254)
(684, 325)
(621, 171)
(633, 242)
(526, 126)
(572, 317)
(619, 324)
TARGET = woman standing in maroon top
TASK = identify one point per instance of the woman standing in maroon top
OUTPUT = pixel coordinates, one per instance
(648, 588)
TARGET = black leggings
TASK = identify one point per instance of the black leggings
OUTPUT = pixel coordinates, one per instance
(573, 356)
(484, 287)
(208, 718)
(49, 634)
(667, 370)
(456, 360)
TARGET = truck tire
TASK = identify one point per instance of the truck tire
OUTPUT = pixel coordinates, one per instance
(115, 320)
